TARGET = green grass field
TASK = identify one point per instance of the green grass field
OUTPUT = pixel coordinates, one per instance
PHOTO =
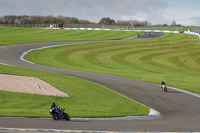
(174, 58)
(9, 36)
(87, 99)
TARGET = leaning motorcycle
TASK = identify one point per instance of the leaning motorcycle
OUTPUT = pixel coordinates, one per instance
(59, 115)
(164, 88)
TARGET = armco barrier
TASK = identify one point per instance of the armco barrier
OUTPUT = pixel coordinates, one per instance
(87, 29)
(121, 30)
(192, 33)
(185, 32)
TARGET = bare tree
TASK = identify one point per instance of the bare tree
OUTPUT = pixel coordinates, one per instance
(123, 23)
(173, 23)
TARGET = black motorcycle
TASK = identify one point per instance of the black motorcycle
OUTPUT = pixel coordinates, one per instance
(59, 114)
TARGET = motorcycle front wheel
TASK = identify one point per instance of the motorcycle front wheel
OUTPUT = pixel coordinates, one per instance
(55, 116)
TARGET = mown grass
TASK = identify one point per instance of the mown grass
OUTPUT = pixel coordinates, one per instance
(174, 58)
(9, 36)
(87, 99)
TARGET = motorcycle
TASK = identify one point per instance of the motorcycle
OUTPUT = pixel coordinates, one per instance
(164, 87)
(59, 115)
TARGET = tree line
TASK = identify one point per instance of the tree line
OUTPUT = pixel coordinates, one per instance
(61, 20)
(25, 19)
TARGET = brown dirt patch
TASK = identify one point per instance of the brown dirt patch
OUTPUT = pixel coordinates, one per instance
(29, 85)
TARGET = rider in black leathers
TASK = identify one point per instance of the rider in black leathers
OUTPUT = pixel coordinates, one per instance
(56, 107)
(162, 83)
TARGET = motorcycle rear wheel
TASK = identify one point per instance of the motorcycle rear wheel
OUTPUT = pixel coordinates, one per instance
(66, 116)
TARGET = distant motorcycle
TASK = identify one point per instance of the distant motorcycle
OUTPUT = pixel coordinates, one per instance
(59, 115)
(164, 87)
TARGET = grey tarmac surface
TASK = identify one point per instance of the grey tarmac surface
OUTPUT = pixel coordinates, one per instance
(180, 111)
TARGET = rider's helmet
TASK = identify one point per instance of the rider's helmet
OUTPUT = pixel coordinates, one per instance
(53, 104)
(163, 83)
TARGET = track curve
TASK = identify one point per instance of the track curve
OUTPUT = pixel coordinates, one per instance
(181, 112)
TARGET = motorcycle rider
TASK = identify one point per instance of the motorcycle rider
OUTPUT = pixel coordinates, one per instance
(53, 105)
(163, 83)
(163, 86)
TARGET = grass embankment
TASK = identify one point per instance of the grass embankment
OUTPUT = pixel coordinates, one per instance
(87, 99)
(9, 36)
(174, 58)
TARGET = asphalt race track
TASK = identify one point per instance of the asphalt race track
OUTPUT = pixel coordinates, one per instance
(180, 111)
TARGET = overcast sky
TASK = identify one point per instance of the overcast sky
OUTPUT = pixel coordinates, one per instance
(185, 12)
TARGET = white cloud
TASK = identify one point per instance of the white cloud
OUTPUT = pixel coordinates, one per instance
(182, 16)
(155, 11)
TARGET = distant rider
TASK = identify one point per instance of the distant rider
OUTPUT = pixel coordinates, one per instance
(162, 83)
